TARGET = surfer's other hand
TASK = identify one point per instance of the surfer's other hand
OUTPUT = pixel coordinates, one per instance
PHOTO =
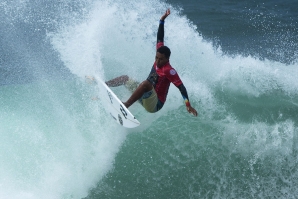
(192, 110)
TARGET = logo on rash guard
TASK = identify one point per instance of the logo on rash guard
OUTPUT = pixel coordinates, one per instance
(172, 72)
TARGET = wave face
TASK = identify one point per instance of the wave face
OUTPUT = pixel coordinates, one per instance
(56, 142)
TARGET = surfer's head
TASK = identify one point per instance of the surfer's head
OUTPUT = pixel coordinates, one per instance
(162, 56)
(164, 50)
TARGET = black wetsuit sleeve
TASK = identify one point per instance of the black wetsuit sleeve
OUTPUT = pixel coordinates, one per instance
(184, 94)
(160, 32)
(153, 77)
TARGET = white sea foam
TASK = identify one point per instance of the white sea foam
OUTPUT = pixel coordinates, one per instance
(57, 143)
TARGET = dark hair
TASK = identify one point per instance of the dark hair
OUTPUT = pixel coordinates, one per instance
(164, 50)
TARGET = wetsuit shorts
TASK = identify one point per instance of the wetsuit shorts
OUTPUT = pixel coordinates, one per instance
(150, 101)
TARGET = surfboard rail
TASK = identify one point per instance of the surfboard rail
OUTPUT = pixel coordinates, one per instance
(115, 107)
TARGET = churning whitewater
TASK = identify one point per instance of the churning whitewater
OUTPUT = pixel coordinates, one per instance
(57, 142)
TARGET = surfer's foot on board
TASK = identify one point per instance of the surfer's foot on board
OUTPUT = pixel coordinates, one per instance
(118, 81)
(125, 104)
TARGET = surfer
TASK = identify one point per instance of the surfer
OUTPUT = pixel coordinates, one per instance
(152, 92)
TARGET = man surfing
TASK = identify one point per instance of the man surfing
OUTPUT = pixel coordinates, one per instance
(152, 92)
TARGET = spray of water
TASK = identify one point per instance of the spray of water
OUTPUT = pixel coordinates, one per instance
(57, 142)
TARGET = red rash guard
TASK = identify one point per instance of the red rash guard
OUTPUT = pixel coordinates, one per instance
(165, 75)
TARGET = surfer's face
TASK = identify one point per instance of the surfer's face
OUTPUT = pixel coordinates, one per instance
(160, 59)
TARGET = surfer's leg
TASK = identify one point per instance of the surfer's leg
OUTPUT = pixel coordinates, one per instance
(118, 81)
(145, 86)
(132, 85)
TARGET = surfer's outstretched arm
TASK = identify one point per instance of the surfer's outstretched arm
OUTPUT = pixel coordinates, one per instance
(160, 32)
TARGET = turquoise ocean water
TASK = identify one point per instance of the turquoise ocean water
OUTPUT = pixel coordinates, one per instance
(238, 61)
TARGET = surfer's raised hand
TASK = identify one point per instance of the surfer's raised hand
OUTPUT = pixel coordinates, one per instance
(192, 110)
(167, 13)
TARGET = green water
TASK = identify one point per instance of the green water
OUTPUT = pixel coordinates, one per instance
(183, 157)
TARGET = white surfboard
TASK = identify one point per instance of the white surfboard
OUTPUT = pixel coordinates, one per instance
(115, 107)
